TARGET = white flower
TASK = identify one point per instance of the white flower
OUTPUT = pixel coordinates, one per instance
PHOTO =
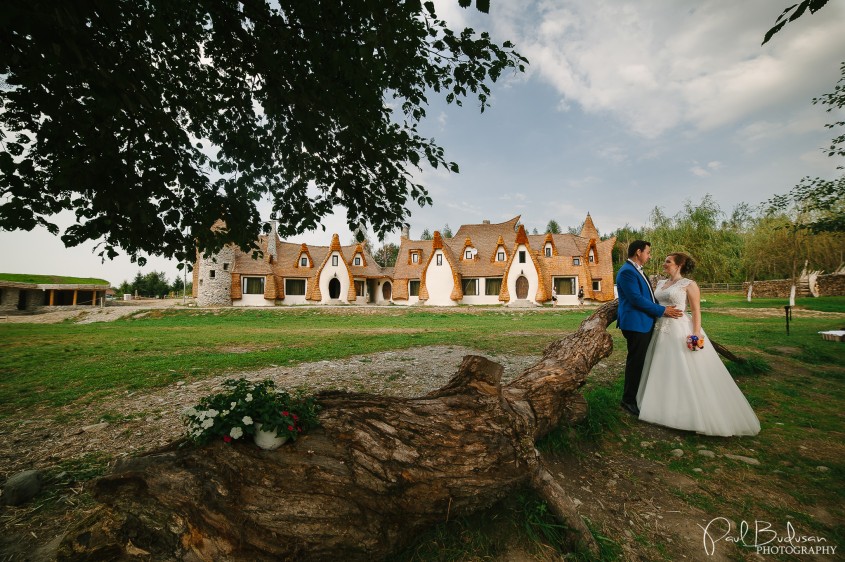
(236, 432)
(206, 423)
(247, 420)
(225, 413)
(188, 412)
(232, 405)
(249, 397)
(212, 412)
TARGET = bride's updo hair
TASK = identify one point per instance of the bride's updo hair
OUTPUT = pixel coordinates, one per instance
(686, 263)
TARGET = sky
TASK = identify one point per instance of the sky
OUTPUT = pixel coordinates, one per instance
(624, 107)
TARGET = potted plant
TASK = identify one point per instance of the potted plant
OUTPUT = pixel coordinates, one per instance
(258, 409)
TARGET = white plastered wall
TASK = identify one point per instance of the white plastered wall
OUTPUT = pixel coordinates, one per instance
(523, 269)
(439, 281)
(330, 272)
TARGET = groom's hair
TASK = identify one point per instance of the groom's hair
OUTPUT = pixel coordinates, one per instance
(636, 246)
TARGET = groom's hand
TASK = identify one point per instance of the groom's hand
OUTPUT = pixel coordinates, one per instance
(673, 312)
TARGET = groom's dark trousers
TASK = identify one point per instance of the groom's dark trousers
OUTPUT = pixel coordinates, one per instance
(637, 346)
(636, 314)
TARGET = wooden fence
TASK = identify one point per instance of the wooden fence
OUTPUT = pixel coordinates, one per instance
(720, 287)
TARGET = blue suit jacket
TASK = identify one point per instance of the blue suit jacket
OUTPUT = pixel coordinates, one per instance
(637, 311)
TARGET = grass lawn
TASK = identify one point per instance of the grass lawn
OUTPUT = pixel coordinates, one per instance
(711, 301)
(51, 279)
(799, 401)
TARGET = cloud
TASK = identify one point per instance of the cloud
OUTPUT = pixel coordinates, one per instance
(699, 171)
(658, 66)
(759, 134)
(707, 169)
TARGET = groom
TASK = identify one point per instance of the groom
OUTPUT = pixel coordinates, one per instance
(638, 309)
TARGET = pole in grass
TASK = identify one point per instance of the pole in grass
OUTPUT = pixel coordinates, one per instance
(788, 310)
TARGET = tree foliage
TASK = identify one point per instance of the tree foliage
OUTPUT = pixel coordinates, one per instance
(426, 235)
(698, 231)
(386, 255)
(792, 13)
(153, 119)
(553, 227)
(818, 204)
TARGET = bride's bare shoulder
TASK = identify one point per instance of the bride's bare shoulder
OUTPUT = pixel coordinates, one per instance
(689, 283)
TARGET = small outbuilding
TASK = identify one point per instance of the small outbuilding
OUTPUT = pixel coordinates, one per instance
(23, 292)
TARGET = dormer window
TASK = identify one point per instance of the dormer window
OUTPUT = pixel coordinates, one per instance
(439, 259)
(548, 251)
(592, 256)
(468, 255)
(303, 261)
(415, 257)
(334, 260)
(576, 260)
(500, 256)
(522, 256)
(357, 260)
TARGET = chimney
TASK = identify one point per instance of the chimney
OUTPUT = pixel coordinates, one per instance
(406, 232)
(271, 240)
(485, 221)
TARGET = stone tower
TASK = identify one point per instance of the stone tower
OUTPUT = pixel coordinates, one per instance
(215, 278)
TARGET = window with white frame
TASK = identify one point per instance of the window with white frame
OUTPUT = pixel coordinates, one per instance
(548, 251)
(334, 260)
(295, 287)
(414, 288)
(576, 260)
(468, 255)
(439, 259)
(253, 285)
(492, 287)
(470, 287)
(303, 261)
(415, 257)
(564, 285)
(500, 256)
(592, 256)
(597, 284)
(357, 260)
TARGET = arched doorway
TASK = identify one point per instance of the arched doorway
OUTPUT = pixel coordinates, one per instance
(522, 287)
(334, 289)
(386, 291)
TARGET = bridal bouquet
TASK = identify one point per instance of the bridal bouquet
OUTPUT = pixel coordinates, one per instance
(694, 343)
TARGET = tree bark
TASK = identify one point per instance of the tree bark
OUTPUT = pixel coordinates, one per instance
(376, 472)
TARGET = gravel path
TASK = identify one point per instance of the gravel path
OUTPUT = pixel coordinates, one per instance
(141, 421)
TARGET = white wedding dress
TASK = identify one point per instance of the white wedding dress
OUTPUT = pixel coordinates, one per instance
(687, 389)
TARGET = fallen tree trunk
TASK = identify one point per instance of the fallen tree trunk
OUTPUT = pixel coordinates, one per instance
(377, 472)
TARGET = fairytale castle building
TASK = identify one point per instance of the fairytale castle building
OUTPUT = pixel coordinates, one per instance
(483, 264)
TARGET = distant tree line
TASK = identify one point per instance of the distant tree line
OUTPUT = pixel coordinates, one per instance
(771, 241)
(153, 284)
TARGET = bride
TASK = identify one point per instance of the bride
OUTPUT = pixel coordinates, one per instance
(687, 389)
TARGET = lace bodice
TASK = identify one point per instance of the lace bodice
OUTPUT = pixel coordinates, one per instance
(676, 294)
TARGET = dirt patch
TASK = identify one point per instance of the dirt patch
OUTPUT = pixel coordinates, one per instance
(774, 313)
(632, 499)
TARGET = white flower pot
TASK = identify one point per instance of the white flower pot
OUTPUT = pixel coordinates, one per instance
(268, 439)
